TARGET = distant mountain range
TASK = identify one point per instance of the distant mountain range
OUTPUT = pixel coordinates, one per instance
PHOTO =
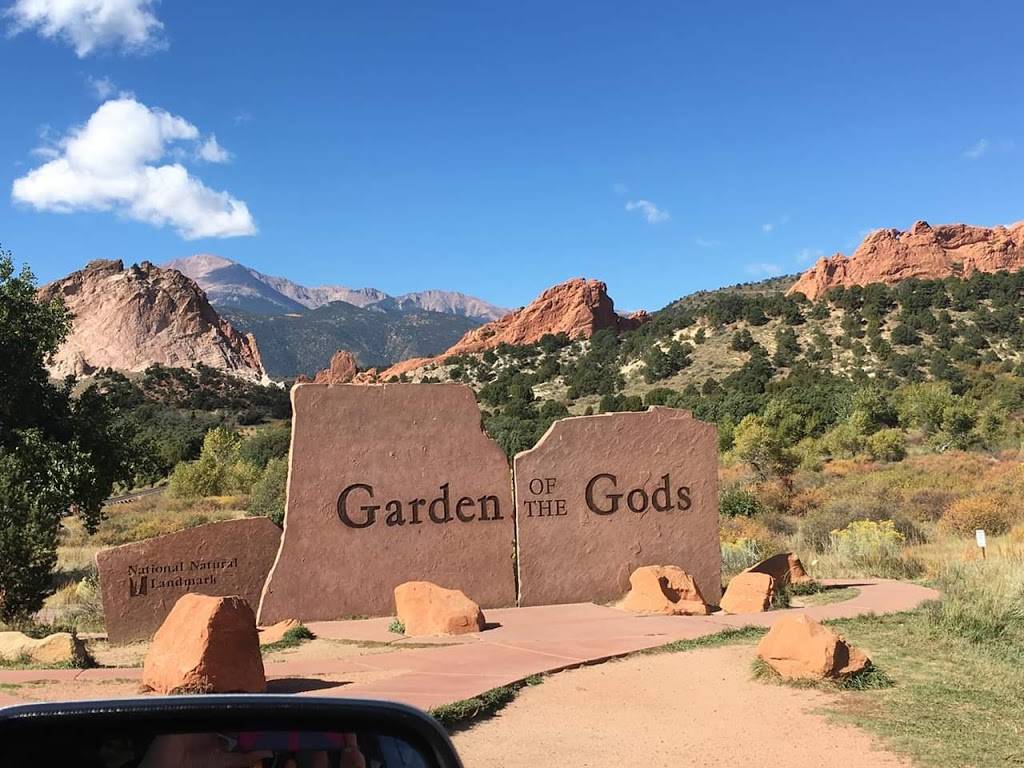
(378, 335)
(232, 286)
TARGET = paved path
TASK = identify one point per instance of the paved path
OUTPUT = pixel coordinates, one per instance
(521, 642)
(700, 709)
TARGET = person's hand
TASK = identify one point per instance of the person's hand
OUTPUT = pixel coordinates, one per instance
(351, 757)
(197, 750)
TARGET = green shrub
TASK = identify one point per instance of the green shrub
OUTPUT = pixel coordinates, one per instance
(268, 493)
(739, 502)
(887, 445)
(265, 444)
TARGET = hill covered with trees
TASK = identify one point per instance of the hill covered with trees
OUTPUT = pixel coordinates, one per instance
(941, 359)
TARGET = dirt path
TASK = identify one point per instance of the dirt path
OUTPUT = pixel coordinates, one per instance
(696, 708)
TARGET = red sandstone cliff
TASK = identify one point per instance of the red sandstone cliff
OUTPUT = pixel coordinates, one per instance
(128, 319)
(924, 252)
(577, 307)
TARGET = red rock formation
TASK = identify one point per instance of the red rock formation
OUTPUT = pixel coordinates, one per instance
(924, 252)
(131, 318)
(749, 592)
(785, 568)
(341, 370)
(798, 647)
(666, 590)
(577, 308)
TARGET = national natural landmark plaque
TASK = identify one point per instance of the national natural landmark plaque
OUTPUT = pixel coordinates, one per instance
(600, 496)
(142, 581)
(387, 484)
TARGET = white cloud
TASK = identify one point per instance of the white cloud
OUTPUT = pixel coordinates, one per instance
(212, 152)
(652, 213)
(764, 269)
(700, 241)
(90, 24)
(243, 117)
(976, 150)
(112, 164)
(102, 87)
(767, 227)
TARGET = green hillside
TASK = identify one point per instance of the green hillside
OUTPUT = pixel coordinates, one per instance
(803, 367)
(296, 343)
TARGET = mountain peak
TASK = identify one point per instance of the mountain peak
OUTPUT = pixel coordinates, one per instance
(130, 318)
(923, 252)
(233, 285)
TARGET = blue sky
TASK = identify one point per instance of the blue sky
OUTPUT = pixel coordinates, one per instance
(498, 148)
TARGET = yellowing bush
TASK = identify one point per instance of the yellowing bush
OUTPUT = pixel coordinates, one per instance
(992, 513)
(736, 528)
(870, 548)
(1017, 534)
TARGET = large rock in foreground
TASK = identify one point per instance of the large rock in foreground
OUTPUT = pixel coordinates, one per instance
(664, 589)
(61, 648)
(923, 252)
(785, 568)
(427, 609)
(131, 318)
(749, 593)
(798, 647)
(206, 645)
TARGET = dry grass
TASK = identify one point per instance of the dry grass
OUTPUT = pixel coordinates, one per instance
(152, 516)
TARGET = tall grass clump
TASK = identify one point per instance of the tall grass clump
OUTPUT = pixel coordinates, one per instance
(982, 601)
(741, 554)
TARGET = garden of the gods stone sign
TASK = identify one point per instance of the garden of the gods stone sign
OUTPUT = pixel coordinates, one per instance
(617, 384)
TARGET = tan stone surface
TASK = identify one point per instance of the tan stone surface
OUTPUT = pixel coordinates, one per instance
(749, 593)
(58, 648)
(799, 647)
(664, 589)
(410, 443)
(785, 568)
(698, 709)
(142, 581)
(131, 318)
(427, 609)
(923, 252)
(206, 645)
(662, 458)
(275, 632)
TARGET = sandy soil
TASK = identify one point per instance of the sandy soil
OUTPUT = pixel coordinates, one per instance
(697, 708)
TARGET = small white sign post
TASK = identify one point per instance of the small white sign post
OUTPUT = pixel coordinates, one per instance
(979, 536)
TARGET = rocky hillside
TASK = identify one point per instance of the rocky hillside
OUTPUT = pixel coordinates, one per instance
(575, 309)
(923, 252)
(727, 353)
(231, 285)
(131, 318)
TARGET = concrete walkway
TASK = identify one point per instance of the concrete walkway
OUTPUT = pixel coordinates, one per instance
(518, 643)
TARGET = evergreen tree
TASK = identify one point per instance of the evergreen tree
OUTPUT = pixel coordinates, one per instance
(58, 455)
